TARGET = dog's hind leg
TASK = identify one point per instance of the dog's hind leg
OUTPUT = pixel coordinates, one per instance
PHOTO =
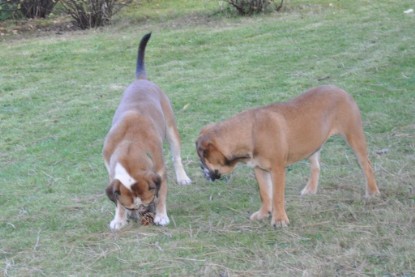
(312, 184)
(265, 190)
(357, 142)
(174, 141)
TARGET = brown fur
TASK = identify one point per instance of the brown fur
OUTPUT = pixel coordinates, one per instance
(135, 142)
(272, 137)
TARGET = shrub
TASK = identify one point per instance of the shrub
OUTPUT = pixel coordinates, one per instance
(37, 8)
(249, 7)
(26, 8)
(93, 13)
(8, 10)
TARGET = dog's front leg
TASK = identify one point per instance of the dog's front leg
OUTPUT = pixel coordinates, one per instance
(120, 218)
(279, 217)
(265, 190)
(161, 217)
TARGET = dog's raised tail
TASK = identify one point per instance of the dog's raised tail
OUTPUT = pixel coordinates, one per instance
(140, 71)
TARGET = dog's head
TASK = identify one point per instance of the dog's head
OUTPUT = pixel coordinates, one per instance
(132, 190)
(212, 160)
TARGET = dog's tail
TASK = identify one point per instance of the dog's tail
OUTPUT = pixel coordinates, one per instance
(140, 71)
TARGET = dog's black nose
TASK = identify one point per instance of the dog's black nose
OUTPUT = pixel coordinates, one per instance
(214, 175)
(209, 174)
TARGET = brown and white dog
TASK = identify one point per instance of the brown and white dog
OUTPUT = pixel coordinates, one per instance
(133, 148)
(272, 137)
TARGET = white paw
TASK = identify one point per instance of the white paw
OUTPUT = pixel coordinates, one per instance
(307, 190)
(184, 180)
(161, 219)
(117, 224)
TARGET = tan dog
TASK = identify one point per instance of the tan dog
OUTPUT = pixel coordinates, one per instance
(133, 148)
(272, 137)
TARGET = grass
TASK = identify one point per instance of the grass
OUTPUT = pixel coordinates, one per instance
(59, 92)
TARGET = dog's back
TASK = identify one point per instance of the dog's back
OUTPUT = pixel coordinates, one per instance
(142, 96)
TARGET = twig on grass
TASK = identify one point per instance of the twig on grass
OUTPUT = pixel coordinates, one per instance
(315, 224)
(37, 241)
(190, 259)
(8, 265)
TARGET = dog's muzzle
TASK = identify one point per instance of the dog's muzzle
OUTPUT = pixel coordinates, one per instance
(147, 208)
(210, 175)
(141, 207)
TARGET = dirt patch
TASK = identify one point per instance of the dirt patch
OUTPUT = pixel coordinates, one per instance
(24, 27)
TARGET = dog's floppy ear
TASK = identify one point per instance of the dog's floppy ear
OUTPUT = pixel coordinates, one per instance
(204, 146)
(211, 152)
(214, 155)
(155, 184)
(113, 190)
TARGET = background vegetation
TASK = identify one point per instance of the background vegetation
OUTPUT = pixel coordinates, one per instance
(58, 92)
(26, 8)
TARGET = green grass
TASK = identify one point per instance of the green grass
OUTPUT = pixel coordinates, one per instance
(58, 94)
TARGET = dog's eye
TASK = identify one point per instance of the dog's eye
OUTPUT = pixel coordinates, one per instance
(117, 193)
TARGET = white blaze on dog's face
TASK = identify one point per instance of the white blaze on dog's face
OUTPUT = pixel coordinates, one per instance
(213, 162)
(122, 175)
(133, 190)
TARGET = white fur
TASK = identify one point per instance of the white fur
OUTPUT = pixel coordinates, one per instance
(122, 175)
(161, 219)
(137, 201)
(182, 178)
(120, 218)
(252, 163)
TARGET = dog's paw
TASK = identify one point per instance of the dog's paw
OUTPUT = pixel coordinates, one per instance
(307, 190)
(161, 219)
(310, 188)
(116, 224)
(278, 223)
(184, 180)
(370, 194)
(259, 215)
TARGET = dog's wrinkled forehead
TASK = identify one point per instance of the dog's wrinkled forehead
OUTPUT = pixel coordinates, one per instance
(200, 148)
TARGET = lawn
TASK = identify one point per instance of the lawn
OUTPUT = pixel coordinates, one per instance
(58, 93)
